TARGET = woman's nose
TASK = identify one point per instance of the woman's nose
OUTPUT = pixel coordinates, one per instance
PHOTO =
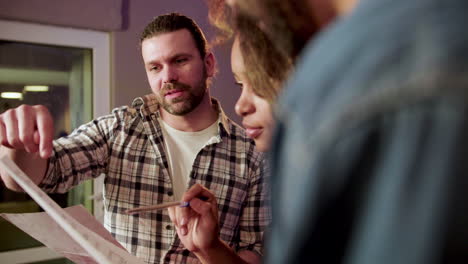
(244, 104)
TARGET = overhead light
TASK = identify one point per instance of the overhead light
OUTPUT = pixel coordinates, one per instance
(36, 88)
(12, 95)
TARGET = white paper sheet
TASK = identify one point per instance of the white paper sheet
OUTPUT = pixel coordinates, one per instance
(67, 235)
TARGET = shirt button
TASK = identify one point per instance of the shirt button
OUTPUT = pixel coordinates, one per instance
(170, 193)
(168, 227)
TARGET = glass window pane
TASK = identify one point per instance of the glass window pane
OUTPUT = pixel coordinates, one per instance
(61, 79)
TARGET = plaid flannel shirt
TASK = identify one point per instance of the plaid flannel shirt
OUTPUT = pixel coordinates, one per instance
(128, 147)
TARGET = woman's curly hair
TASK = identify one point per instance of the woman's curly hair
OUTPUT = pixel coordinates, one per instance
(267, 67)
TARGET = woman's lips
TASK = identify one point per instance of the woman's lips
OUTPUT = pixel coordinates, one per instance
(253, 132)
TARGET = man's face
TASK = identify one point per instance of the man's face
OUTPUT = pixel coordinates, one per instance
(176, 72)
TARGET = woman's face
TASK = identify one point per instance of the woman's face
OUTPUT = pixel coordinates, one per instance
(256, 113)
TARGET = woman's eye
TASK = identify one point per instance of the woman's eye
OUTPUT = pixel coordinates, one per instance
(241, 85)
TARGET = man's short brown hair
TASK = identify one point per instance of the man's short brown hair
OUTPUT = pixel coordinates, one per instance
(172, 22)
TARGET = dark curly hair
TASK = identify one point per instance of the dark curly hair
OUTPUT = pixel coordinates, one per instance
(267, 67)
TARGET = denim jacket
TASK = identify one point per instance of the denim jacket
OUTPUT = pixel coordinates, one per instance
(371, 145)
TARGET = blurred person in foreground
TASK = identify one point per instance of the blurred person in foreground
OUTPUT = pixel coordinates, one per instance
(369, 155)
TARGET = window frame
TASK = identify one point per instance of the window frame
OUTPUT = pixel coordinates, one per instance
(99, 43)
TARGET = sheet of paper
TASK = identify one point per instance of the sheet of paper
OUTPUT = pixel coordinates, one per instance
(44, 229)
(96, 248)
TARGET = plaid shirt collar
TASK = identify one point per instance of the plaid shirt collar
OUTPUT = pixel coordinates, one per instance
(148, 105)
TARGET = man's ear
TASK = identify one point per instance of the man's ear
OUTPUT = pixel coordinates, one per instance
(210, 64)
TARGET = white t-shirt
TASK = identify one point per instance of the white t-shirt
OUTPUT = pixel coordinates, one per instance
(182, 148)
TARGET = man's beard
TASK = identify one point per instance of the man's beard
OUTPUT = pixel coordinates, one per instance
(185, 104)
